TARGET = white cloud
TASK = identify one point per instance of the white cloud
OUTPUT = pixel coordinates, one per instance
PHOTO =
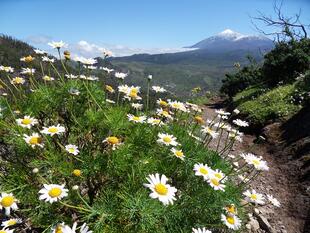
(88, 49)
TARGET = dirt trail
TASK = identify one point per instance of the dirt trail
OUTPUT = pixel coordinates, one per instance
(280, 181)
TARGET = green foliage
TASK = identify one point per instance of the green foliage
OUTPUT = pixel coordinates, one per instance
(282, 65)
(111, 195)
(262, 106)
(286, 61)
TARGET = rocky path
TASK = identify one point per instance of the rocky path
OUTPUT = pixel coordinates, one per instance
(280, 181)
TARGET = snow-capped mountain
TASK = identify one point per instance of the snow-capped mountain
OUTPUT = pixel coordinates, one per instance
(229, 40)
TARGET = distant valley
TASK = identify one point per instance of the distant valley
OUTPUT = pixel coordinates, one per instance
(205, 66)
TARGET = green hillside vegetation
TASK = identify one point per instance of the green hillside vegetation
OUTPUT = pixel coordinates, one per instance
(275, 90)
(181, 72)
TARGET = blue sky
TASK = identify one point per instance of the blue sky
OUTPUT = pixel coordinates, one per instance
(135, 24)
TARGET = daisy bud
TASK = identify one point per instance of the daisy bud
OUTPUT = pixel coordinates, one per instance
(75, 187)
(77, 172)
(150, 77)
(67, 55)
(35, 170)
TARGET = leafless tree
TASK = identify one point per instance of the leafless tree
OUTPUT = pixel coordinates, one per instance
(284, 27)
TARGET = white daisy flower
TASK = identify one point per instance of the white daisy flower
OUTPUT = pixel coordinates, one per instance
(254, 197)
(62, 228)
(34, 140)
(72, 149)
(106, 69)
(40, 52)
(209, 131)
(54, 129)
(120, 75)
(178, 105)
(123, 88)
(200, 230)
(8, 202)
(57, 45)
(222, 112)
(231, 221)
(203, 170)
(241, 123)
(194, 107)
(155, 121)
(7, 69)
(48, 78)
(17, 81)
(53, 192)
(71, 76)
(167, 139)
(27, 122)
(136, 119)
(215, 183)
(158, 89)
(178, 153)
(28, 71)
(236, 111)
(47, 59)
(257, 162)
(160, 189)
(110, 101)
(164, 113)
(113, 141)
(137, 106)
(4, 230)
(274, 201)
(162, 103)
(11, 222)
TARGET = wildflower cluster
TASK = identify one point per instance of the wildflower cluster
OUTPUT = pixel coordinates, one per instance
(92, 155)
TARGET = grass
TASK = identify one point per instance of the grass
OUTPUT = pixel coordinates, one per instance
(261, 106)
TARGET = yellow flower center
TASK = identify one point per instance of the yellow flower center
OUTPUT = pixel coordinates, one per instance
(77, 172)
(199, 119)
(53, 130)
(134, 90)
(113, 140)
(18, 80)
(109, 88)
(29, 59)
(133, 94)
(58, 229)
(26, 121)
(71, 150)
(230, 220)
(256, 162)
(161, 189)
(203, 171)
(179, 153)
(176, 105)
(163, 103)
(7, 201)
(253, 196)
(11, 222)
(3, 231)
(165, 113)
(231, 209)
(167, 139)
(55, 192)
(218, 175)
(35, 140)
(215, 181)
(136, 118)
(156, 121)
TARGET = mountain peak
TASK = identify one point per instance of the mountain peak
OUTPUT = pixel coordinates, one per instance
(229, 33)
